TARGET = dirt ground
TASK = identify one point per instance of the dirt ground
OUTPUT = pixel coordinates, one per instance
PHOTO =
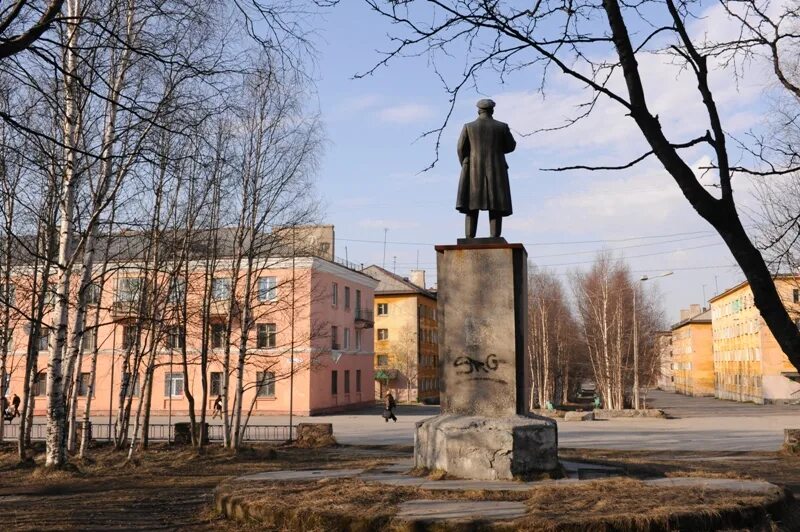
(169, 488)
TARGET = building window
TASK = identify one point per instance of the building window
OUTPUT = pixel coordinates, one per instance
(173, 385)
(93, 294)
(334, 382)
(131, 385)
(44, 339)
(265, 384)
(266, 335)
(40, 384)
(383, 360)
(267, 288)
(347, 381)
(346, 297)
(335, 294)
(334, 337)
(358, 339)
(358, 299)
(796, 295)
(217, 335)
(177, 291)
(216, 383)
(129, 289)
(358, 381)
(383, 334)
(383, 309)
(175, 338)
(220, 288)
(130, 336)
(89, 340)
(84, 383)
(346, 338)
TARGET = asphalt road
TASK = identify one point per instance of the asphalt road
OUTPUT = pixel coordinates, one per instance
(697, 424)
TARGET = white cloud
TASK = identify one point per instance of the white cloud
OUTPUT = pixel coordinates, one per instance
(406, 113)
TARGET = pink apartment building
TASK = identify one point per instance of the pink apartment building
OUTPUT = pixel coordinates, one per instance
(309, 313)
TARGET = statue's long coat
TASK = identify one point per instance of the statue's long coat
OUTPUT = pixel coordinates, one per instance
(484, 173)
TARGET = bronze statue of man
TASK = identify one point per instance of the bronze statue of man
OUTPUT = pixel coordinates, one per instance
(484, 173)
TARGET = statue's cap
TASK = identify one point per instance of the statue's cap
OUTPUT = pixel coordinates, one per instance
(486, 103)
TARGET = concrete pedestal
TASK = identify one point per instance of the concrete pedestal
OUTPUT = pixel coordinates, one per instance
(482, 448)
(484, 431)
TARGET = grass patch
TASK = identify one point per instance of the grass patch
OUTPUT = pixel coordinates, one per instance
(609, 504)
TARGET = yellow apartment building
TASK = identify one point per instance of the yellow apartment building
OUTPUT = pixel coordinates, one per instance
(406, 336)
(748, 363)
(693, 360)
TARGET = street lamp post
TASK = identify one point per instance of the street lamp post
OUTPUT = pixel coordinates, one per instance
(636, 342)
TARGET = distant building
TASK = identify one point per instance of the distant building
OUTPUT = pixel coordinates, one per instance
(307, 312)
(748, 363)
(406, 341)
(693, 360)
(666, 376)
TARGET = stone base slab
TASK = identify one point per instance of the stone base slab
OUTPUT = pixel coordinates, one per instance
(483, 448)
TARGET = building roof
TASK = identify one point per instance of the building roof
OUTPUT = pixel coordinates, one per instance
(390, 283)
(703, 317)
(746, 283)
(132, 246)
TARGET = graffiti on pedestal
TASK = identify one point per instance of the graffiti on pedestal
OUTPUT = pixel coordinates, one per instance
(478, 369)
(468, 365)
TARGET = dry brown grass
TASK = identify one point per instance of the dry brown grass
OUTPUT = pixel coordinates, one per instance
(173, 488)
(628, 504)
(164, 487)
(610, 504)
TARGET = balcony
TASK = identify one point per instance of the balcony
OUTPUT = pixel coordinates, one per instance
(365, 318)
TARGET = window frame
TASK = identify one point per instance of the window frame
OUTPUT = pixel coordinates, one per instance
(176, 333)
(129, 341)
(211, 383)
(83, 386)
(91, 334)
(133, 389)
(131, 297)
(270, 291)
(169, 381)
(268, 332)
(222, 330)
(216, 283)
(265, 384)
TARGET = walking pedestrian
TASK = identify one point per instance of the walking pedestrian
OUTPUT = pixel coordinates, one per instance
(15, 403)
(217, 407)
(389, 405)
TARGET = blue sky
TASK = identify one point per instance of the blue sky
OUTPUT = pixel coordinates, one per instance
(371, 175)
